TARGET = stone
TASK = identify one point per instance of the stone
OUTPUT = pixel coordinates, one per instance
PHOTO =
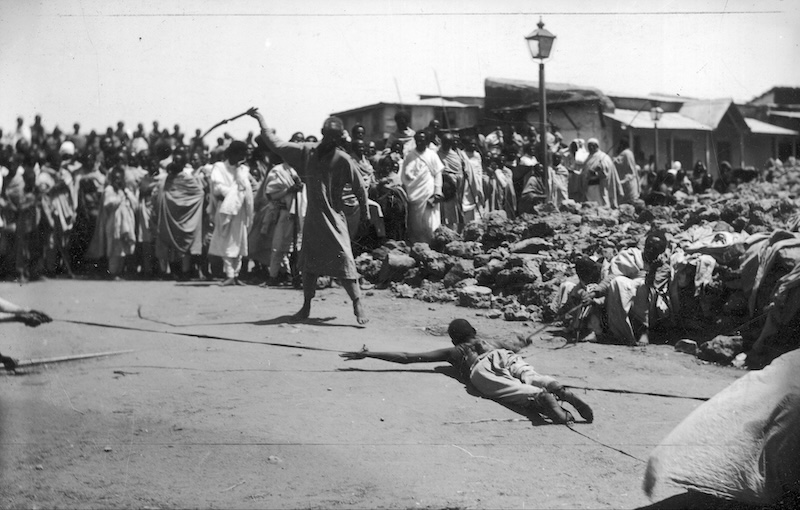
(391, 244)
(473, 231)
(395, 266)
(442, 236)
(515, 312)
(434, 264)
(687, 346)
(541, 294)
(515, 278)
(466, 282)
(627, 213)
(482, 259)
(531, 245)
(538, 228)
(413, 277)
(733, 210)
(475, 296)
(404, 291)
(721, 349)
(646, 216)
(461, 270)
(368, 267)
(494, 314)
(497, 230)
(487, 273)
(423, 252)
(463, 249)
(436, 269)
(537, 313)
(433, 292)
(555, 268)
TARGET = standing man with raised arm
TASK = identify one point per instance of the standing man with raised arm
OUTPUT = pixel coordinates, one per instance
(326, 239)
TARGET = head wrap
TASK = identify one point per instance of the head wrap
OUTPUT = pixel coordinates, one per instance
(67, 149)
(593, 141)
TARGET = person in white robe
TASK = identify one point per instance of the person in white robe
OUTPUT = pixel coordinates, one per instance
(232, 209)
(421, 176)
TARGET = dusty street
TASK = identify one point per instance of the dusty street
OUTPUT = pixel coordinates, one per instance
(279, 420)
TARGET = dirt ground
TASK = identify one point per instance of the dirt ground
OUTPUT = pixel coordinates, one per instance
(272, 417)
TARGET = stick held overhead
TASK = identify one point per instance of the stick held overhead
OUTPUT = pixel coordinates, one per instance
(222, 123)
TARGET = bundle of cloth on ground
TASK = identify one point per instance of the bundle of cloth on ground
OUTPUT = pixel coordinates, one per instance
(742, 445)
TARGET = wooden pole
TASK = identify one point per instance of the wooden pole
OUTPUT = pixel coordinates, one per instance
(74, 357)
(543, 121)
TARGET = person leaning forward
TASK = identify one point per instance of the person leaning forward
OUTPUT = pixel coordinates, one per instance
(495, 370)
(326, 239)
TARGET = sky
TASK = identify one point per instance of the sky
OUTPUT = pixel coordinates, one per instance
(198, 62)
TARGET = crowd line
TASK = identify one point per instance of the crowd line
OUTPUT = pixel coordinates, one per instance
(149, 204)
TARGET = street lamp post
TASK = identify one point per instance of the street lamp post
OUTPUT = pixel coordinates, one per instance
(655, 114)
(540, 42)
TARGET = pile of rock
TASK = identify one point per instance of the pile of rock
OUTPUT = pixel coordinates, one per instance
(513, 268)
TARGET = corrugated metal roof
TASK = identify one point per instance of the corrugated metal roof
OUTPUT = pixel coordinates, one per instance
(669, 120)
(763, 128)
(708, 112)
(419, 102)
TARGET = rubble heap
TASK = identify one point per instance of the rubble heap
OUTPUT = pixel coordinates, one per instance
(513, 268)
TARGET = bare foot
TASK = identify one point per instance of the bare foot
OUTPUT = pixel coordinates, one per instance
(361, 317)
(643, 340)
(302, 315)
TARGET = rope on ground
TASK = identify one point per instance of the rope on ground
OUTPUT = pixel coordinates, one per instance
(631, 392)
(322, 349)
(195, 335)
(623, 452)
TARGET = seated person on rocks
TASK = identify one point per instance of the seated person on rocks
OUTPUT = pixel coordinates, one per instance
(663, 187)
(636, 290)
(496, 371)
(534, 192)
(27, 316)
(582, 313)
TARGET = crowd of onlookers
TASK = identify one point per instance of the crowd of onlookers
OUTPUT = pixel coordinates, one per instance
(86, 204)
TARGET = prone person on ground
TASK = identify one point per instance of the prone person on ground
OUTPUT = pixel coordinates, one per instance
(496, 371)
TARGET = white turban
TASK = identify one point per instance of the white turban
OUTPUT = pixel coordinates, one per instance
(67, 149)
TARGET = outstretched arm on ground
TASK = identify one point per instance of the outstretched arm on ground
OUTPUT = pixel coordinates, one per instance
(402, 357)
(28, 316)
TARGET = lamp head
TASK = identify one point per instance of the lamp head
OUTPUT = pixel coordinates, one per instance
(540, 42)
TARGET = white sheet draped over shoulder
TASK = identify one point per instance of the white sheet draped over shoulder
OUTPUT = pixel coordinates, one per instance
(421, 176)
(743, 444)
(232, 208)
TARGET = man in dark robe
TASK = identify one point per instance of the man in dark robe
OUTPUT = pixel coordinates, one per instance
(179, 213)
(326, 239)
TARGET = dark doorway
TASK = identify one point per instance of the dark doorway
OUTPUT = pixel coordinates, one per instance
(683, 153)
(724, 152)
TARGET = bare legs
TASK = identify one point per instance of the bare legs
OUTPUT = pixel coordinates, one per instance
(354, 291)
(310, 290)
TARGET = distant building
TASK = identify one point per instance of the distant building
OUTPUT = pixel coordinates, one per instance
(690, 129)
(378, 119)
(572, 110)
(779, 106)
